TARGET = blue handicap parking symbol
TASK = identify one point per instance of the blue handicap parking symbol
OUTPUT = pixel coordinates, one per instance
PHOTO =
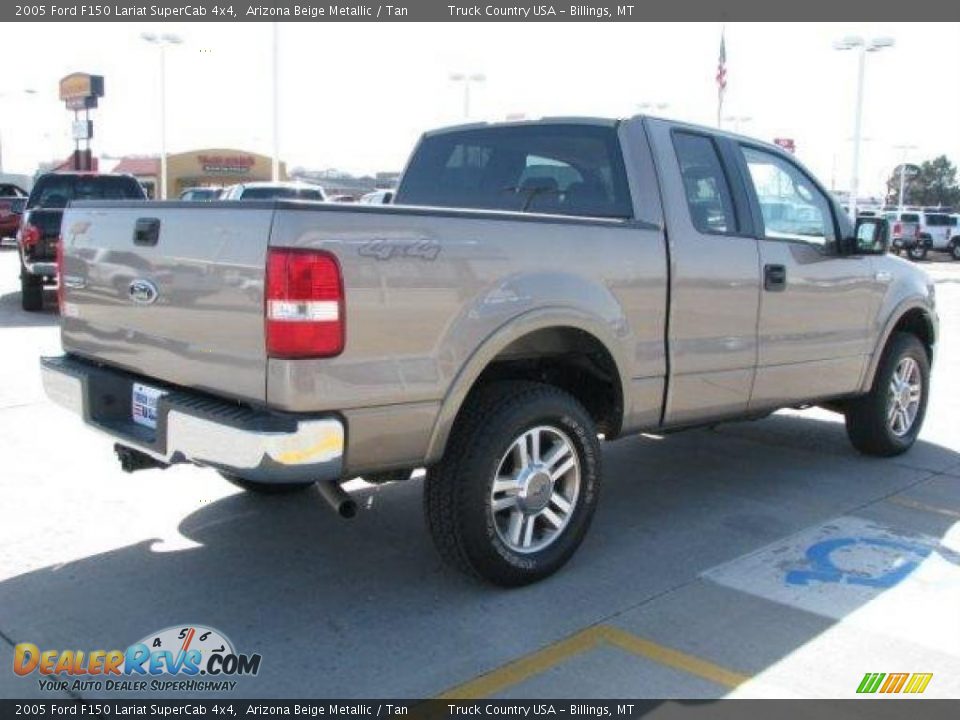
(823, 569)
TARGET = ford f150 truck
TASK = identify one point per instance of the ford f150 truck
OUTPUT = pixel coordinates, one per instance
(535, 287)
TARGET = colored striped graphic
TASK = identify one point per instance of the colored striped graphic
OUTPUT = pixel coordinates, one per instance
(894, 683)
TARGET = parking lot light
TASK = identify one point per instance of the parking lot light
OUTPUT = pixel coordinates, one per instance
(854, 42)
(162, 42)
(467, 79)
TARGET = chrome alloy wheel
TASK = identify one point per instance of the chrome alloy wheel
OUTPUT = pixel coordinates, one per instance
(536, 489)
(904, 396)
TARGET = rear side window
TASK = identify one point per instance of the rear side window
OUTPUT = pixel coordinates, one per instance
(937, 220)
(705, 184)
(556, 169)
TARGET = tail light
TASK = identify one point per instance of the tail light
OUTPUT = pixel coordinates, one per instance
(304, 304)
(29, 235)
(897, 229)
(60, 283)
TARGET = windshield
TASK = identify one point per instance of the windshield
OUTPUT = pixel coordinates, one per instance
(556, 169)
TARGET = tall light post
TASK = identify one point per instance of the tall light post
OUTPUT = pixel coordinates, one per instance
(162, 42)
(275, 165)
(862, 47)
(904, 149)
(646, 107)
(738, 121)
(24, 91)
(467, 79)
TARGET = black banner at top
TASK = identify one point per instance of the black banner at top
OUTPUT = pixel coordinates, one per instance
(460, 11)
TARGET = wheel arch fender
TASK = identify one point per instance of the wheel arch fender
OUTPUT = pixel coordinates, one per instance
(543, 318)
(914, 314)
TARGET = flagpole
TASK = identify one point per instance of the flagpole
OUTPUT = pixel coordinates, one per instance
(721, 75)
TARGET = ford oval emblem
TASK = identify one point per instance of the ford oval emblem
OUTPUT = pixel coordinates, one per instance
(143, 292)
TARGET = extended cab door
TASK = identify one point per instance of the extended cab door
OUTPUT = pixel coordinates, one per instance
(714, 277)
(815, 303)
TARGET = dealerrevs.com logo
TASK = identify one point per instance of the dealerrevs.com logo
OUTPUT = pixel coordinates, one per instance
(186, 658)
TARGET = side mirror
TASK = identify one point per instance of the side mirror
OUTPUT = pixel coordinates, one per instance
(871, 236)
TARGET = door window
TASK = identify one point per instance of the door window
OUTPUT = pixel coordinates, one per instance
(705, 184)
(793, 208)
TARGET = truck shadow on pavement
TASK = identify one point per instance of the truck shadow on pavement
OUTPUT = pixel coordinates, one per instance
(364, 608)
(12, 315)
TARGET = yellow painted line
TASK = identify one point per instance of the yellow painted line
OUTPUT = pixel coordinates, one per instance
(514, 673)
(915, 505)
(673, 658)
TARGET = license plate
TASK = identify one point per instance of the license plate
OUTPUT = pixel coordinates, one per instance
(143, 408)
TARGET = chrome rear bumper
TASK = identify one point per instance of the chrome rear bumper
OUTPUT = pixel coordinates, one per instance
(257, 445)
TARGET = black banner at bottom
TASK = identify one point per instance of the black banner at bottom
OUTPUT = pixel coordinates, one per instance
(872, 709)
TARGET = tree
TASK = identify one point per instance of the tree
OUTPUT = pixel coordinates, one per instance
(933, 184)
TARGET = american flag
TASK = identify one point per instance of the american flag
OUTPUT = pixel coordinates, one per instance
(722, 64)
(721, 75)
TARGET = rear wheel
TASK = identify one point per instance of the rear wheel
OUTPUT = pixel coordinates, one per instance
(263, 488)
(955, 249)
(887, 420)
(514, 495)
(31, 292)
(917, 252)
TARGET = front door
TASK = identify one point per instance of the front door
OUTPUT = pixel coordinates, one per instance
(815, 304)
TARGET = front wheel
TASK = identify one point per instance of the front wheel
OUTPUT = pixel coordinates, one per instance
(917, 253)
(514, 495)
(955, 249)
(887, 420)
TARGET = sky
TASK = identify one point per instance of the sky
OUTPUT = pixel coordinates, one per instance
(355, 96)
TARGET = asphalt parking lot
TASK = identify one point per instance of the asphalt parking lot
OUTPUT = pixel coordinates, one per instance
(750, 560)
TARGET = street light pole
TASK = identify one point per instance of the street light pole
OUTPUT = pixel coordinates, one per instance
(863, 47)
(275, 171)
(162, 41)
(467, 80)
(737, 121)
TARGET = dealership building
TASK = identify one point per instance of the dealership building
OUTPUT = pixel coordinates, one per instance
(214, 167)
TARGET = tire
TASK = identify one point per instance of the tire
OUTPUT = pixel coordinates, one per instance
(262, 488)
(485, 443)
(917, 253)
(955, 249)
(31, 292)
(872, 425)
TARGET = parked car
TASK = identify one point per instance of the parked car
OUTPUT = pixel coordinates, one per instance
(378, 197)
(935, 232)
(905, 234)
(955, 236)
(201, 194)
(534, 287)
(11, 214)
(273, 191)
(342, 198)
(39, 231)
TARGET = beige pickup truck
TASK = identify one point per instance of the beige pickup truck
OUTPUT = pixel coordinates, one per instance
(536, 287)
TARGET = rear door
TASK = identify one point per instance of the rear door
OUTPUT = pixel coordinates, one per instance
(714, 277)
(171, 291)
(815, 303)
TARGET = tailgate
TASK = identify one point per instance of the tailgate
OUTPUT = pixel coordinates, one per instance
(171, 291)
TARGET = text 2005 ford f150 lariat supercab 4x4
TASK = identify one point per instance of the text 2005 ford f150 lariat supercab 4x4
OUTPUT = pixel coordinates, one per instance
(535, 286)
